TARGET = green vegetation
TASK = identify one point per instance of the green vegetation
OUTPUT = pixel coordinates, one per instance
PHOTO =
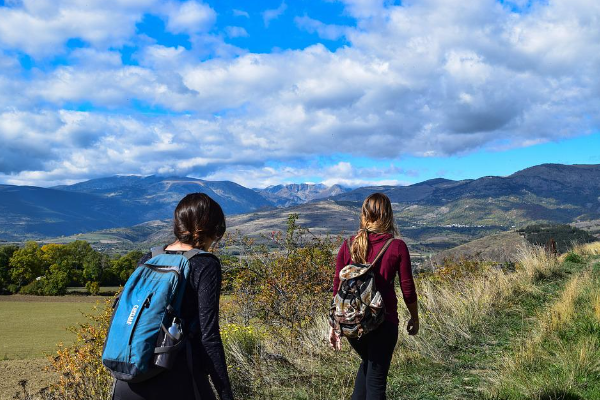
(52, 268)
(560, 357)
(565, 236)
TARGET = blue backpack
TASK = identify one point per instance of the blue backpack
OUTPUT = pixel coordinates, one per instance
(146, 331)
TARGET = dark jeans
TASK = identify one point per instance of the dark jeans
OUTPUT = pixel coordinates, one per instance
(175, 384)
(375, 349)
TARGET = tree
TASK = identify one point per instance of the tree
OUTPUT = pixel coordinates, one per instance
(85, 260)
(124, 266)
(6, 252)
(27, 264)
(57, 279)
(93, 268)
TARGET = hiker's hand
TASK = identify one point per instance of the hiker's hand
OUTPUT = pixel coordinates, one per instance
(334, 340)
(413, 326)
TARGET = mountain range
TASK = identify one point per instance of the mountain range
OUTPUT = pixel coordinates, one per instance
(120, 201)
(436, 213)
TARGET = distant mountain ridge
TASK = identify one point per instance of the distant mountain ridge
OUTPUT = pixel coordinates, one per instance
(157, 196)
(578, 185)
(429, 209)
(299, 193)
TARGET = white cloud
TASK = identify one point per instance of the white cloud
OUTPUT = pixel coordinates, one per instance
(189, 17)
(41, 28)
(364, 8)
(325, 31)
(342, 173)
(236, 31)
(429, 78)
(240, 13)
(271, 14)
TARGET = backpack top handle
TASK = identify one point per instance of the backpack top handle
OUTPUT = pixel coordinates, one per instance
(379, 255)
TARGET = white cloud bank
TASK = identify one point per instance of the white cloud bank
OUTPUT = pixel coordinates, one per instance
(429, 78)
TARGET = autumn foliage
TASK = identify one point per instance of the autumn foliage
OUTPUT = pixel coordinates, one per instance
(283, 284)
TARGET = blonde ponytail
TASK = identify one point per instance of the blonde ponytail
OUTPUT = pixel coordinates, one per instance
(377, 217)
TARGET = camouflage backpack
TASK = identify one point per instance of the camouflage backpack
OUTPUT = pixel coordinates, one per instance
(358, 307)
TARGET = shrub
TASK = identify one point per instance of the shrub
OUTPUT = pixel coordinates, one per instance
(36, 288)
(285, 286)
(243, 351)
(574, 258)
(93, 288)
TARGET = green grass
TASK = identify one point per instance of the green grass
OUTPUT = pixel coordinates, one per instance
(559, 360)
(31, 329)
(466, 368)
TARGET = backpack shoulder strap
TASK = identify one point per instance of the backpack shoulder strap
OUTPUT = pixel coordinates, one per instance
(382, 251)
(191, 253)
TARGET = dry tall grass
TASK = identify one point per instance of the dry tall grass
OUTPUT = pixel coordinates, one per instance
(562, 311)
(451, 309)
(588, 249)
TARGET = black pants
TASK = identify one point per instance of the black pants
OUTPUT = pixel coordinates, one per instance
(375, 349)
(175, 384)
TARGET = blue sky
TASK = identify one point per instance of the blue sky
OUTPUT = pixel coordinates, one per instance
(354, 92)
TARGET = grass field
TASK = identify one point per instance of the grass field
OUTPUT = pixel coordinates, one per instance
(30, 329)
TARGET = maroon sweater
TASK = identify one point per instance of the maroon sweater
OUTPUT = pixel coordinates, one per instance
(396, 260)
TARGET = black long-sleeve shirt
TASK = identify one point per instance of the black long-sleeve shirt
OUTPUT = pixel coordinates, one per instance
(201, 301)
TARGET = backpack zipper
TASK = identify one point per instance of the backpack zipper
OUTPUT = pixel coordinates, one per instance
(145, 304)
(160, 269)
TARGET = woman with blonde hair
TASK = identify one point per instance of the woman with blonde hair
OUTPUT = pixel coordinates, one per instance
(377, 347)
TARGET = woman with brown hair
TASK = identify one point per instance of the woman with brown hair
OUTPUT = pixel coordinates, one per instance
(377, 347)
(199, 222)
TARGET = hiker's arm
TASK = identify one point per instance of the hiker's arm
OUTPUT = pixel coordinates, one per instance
(208, 287)
(407, 283)
(409, 292)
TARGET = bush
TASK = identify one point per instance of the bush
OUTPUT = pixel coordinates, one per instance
(79, 366)
(564, 235)
(574, 258)
(93, 288)
(243, 351)
(285, 287)
(35, 288)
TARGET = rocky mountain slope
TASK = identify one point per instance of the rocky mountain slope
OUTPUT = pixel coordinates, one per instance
(299, 193)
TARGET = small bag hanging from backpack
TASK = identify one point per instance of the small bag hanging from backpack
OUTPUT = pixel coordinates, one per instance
(146, 331)
(357, 308)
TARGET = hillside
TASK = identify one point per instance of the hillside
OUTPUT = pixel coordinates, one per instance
(323, 218)
(32, 211)
(157, 196)
(498, 247)
(437, 213)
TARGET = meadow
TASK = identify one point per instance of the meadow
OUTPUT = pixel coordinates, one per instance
(30, 330)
